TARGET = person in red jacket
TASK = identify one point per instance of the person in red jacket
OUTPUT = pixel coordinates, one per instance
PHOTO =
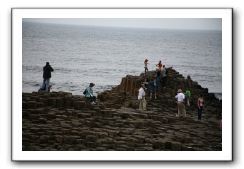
(159, 66)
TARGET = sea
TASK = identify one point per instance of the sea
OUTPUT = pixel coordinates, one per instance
(103, 55)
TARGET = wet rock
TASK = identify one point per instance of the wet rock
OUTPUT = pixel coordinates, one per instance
(59, 121)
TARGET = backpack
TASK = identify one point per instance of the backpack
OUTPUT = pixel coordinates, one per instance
(85, 92)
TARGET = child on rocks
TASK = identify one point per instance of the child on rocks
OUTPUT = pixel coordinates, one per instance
(145, 66)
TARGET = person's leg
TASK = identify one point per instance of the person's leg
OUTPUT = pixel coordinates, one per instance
(93, 98)
(43, 87)
(183, 110)
(199, 113)
(47, 84)
(87, 100)
(146, 70)
(178, 110)
(144, 104)
(140, 104)
(158, 83)
(201, 108)
(155, 92)
(188, 101)
(90, 99)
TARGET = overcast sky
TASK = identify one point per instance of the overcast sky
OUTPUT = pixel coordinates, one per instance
(165, 23)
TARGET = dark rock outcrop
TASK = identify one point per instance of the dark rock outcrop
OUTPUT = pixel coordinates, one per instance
(61, 121)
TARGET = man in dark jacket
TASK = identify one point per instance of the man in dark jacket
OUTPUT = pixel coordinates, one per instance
(46, 76)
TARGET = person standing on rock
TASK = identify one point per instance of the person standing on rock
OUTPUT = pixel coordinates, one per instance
(188, 96)
(145, 66)
(180, 103)
(200, 103)
(151, 87)
(158, 78)
(189, 82)
(164, 76)
(47, 69)
(155, 87)
(89, 93)
(159, 66)
(141, 98)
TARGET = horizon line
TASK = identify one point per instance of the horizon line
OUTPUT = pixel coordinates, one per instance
(126, 27)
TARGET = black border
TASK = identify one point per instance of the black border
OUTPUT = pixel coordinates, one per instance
(98, 162)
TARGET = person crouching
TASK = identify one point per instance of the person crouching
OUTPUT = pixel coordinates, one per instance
(89, 94)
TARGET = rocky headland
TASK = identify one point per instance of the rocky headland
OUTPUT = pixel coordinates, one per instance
(60, 121)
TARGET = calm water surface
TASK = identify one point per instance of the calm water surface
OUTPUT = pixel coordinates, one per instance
(81, 54)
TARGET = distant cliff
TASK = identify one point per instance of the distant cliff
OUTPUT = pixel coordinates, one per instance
(62, 121)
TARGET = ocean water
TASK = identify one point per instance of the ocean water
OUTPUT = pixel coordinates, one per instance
(83, 54)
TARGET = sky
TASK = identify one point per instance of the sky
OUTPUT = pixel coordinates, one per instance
(158, 23)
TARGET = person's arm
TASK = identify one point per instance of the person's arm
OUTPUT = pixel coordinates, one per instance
(51, 69)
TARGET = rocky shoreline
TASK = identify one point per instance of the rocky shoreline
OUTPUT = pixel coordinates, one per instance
(60, 121)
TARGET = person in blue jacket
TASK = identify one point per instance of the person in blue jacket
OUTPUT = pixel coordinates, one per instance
(89, 93)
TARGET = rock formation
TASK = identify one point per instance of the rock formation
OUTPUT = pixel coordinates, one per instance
(60, 121)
